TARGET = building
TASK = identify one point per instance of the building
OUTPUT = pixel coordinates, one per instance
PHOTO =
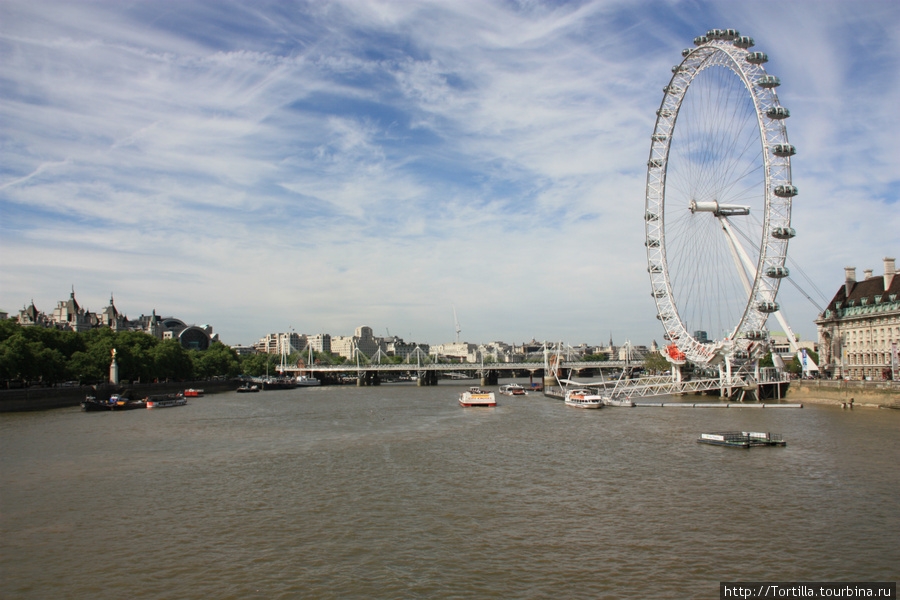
(859, 331)
(69, 315)
(363, 341)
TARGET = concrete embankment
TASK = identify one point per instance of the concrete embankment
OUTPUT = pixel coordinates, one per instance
(36, 398)
(863, 393)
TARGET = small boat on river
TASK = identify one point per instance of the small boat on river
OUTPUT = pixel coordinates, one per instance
(166, 401)
(192, 393)
(584, 398)
(247, 388)
(512, 389)
(742, 439)
(477, 397)
(115, 402)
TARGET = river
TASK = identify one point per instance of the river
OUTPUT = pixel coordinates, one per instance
(396, 492)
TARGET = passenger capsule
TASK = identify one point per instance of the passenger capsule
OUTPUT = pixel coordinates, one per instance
(665, 112)
(767, 307)
(715, 34)
(659, 137)
(778, 112)
(730, 34)
(786, 191)
(651, 216)
(784, 150)
(768, 81)
(686, 52)
(652, 243)
(659, 293)
(655, 163)
(783, 233)
(757, 58)
(777, 272)
(741, 354)
(700, 40)
(672, 89)
(745, 41)
(756, 334)
(654, 269)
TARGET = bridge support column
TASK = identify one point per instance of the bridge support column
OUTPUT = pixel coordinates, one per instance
(489, 378)
(427, 378)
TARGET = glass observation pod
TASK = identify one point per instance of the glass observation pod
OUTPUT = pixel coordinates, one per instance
(652, 243)
(655, 163)
(756, 335)
(665, 112)
(741, 355)
(672, 88)
(783, 233)
(659, 137)
(786, 191)
(715, 34)
(700, 40)
(784, 150)
(757, 58)
(654, 269)
(651, 217)
(659, 293)
(745, 41)
(767, 307)
(778, 112)
(777, 272)
(768, 81)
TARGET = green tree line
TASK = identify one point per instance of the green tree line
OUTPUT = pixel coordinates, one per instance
(49, 356)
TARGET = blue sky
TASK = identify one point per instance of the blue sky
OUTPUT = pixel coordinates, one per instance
(324, 165)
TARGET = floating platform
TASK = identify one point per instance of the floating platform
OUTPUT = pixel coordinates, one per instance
(720, 404)
(742, 439)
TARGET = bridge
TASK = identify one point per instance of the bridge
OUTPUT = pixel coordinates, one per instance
(429, 373)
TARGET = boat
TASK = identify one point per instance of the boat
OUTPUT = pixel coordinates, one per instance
(584, 398)
(192, 393)
(306, 381)
(115, 402)
(166, 401)
(247, 388)
(617, 401)
(742, 439)
(477, 397)
(512, 389)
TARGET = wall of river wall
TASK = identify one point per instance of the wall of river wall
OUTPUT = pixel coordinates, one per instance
(19, 400)
(837, 392)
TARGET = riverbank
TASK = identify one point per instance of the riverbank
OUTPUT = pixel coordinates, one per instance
(30, 399)
(863, 393)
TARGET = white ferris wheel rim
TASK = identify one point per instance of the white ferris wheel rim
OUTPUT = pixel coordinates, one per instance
(705, 193)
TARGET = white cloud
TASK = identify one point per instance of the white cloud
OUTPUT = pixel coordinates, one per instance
(374, 162)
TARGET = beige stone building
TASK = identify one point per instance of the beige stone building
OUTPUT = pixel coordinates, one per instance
(859, 331)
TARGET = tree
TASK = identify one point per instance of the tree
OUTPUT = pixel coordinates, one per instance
(656, 362)
(217, 360)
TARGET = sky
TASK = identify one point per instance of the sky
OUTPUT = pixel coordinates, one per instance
(319, 166)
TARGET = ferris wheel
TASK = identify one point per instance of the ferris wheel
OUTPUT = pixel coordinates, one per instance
(718, 205)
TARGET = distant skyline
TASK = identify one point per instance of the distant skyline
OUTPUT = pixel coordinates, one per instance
(319, 166)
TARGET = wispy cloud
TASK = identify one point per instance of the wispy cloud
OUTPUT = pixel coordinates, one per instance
(328, 165)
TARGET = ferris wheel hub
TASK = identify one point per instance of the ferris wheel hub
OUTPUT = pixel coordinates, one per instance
(719, 210)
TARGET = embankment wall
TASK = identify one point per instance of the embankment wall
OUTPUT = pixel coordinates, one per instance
(60, 397)
(838, 392)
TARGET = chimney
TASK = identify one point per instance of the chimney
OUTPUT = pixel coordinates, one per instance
(868, 274)
(850, 273)
(889, 272)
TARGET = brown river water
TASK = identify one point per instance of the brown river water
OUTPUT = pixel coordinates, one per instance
(397, 492)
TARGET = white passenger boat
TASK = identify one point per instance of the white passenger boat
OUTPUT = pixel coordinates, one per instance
(512, 389)
(166, 401)
(306, 381)
(477, 397)
(584, 398)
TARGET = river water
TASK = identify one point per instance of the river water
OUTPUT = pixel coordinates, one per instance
(397, 492)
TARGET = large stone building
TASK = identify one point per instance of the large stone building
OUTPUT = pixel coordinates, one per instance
(859, 331)
(69, 315)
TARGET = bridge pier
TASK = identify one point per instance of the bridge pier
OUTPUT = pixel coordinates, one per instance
(427, 378)
(368, 378)
(489, 378)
